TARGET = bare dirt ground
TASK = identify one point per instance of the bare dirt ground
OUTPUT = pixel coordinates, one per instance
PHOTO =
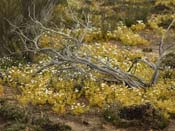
(90, 122)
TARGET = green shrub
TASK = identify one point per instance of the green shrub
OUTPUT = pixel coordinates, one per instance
(136, 115)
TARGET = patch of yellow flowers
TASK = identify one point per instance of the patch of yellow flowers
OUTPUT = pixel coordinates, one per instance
(139, 26)
(64, 97)
(167, 3)
(127, 36)
(156, 20)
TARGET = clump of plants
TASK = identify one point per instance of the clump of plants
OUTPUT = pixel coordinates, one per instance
(139, 26)
(169, 61)
(64, 90)
(127, 36)
(159, 22)
(144, 115)
(168, 74)
(12, 112)
(20, 119)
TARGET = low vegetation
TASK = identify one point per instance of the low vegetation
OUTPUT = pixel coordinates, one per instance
(92, 58)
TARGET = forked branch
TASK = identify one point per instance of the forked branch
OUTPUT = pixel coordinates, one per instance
(68, 56)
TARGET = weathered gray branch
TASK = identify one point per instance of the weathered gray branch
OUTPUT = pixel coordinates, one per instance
(67, 55)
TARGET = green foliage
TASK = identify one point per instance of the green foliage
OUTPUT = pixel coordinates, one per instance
(9, 9)
(6, 62)
(140, 11)
(112, 113)
(21, 119)
(135, 115)
(12, 112)
(17, 12)
(169, 61)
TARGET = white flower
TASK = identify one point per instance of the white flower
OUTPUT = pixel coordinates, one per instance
(76, 90)
(103, 84)
(109, 117)
(139, 21)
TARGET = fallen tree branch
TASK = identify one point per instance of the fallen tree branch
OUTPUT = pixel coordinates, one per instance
(137, 60)
(69, 56)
